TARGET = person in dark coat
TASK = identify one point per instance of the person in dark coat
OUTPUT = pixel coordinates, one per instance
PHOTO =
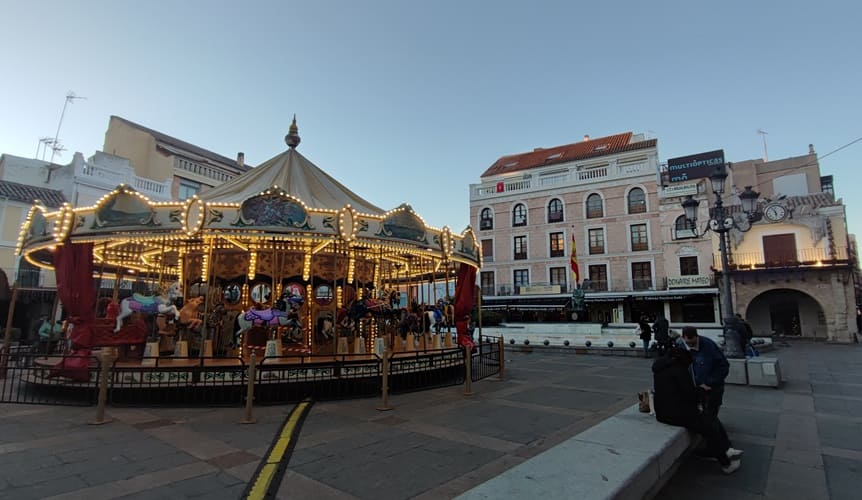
(676, 402)
(645, 335)
(709, 365)
(661, 330)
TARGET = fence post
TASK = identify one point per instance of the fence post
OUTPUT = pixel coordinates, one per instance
(468, 365)
(105, 367)
(384, 405)
(502, 358)
(249, 395)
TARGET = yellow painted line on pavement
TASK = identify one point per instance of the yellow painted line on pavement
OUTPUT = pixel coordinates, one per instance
(264, 484)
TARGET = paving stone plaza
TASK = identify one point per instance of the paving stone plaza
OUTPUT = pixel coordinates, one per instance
(801, 441)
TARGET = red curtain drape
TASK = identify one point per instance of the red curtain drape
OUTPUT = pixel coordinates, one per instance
(73, 265)
(465, 298)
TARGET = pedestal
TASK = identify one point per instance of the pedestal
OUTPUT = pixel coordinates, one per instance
(151, 352)
(359, 346)
(764, 372)
(435, 341)
(398, 344)
(273, 348)
(208, 349)
(411, 343)
(447, 340)
(182, 349)
(342, 346)
(738, 374)
(379, 346)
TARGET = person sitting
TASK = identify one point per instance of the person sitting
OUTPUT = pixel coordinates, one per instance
(710, 367)
(676, 402)
(49, 334)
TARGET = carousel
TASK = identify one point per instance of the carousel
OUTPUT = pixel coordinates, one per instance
(283, 261)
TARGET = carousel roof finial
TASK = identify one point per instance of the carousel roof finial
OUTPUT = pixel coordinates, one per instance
(292, 138)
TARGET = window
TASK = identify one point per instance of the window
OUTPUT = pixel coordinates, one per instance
(594, 206)
(684, 228)
(688, 266)
(519, 215)
(488, 250)
(521, 278)
(486, 278)
(486, 219)
(558, 248)
(555, 211)
(826, 185)
(520, 247)
(598, 278)
(779, 249)
(637, 201)
(558, 277)
(639, 237)
(597, 241)
(188, 189)
(641, 276)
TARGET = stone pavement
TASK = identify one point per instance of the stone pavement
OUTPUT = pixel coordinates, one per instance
(803, 441)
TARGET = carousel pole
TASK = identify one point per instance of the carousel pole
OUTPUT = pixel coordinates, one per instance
(98, 288)
(211, 270)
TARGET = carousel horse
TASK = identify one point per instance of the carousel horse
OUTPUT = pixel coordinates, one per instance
(189, 313)
(258, 317)
(435, 319)
(160, 303)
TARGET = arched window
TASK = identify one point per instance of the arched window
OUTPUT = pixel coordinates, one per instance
(684, 228)
(486, 219)
(519, 215)
(594, 206)
(637, 201)
(555, 211)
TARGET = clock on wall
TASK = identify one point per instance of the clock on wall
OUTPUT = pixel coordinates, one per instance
(775, 212)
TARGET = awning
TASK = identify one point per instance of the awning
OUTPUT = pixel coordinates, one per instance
(657, 295)
(526, 303)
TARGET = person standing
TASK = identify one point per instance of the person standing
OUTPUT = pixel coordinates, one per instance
(661, 330)
(710, 368)
(676, 403)
(645, 334)
(746, 335)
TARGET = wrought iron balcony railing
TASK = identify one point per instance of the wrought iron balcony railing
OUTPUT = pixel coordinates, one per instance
(784, 258)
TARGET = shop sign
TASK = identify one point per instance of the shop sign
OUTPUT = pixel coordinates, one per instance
(686, 168)
(540, 289)
(688, 281)
(680, 190)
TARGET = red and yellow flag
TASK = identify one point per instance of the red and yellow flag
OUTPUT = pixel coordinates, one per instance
(574, 261)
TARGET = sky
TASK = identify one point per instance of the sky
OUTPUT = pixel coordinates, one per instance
(411, 101)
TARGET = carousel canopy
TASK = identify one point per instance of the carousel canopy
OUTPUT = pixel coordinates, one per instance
(296, 175)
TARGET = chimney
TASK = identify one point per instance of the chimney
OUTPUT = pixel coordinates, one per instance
(240, 159)
(811, 149)
(586, 137)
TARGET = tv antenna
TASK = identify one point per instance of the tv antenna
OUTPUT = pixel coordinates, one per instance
(56, 147)
(44, 142)
(763, 135)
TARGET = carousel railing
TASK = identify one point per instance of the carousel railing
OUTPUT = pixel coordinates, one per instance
(319, 377)
(426, 369)
(27, 377)
(486, 358)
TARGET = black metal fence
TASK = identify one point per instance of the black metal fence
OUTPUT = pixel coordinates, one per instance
(23, 380)
(224, 382)
(486, 358)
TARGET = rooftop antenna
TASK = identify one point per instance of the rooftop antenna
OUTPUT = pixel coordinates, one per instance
(43, 143)
(763, 135)
(55, 146)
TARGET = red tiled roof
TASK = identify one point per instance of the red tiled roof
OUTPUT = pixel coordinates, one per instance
(560, 154)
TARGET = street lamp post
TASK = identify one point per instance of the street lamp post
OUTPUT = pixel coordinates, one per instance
(721, 222)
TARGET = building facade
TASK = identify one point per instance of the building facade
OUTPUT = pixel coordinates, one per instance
(606, 194)
(794, 272)
(190, 169)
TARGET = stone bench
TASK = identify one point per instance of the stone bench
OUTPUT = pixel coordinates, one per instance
(628, 456)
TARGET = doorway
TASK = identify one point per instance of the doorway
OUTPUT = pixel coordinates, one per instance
(784, 318)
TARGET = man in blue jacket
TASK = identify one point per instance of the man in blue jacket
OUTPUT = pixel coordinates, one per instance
(710, 368)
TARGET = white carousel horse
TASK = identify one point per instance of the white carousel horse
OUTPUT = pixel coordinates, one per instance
(150, 304)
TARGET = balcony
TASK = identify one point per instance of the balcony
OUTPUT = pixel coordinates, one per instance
(106, 178)
(573, 176)
(803, 258)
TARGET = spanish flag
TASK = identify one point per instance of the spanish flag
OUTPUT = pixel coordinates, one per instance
(575, 272)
